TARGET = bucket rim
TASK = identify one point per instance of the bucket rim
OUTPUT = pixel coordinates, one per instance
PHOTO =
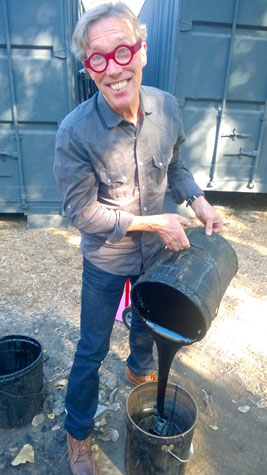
(8, 377)
(194, 297)
(157, 437)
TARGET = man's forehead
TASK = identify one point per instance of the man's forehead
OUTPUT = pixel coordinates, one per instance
(118, 29)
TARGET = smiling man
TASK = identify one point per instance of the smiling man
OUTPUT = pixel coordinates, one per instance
(115, 155)
(118, 81)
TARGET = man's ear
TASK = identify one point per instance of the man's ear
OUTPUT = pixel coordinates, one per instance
(144, 54)
(87, 70)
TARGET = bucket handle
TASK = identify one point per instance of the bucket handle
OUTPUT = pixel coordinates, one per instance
(167, 448)
(178, 458)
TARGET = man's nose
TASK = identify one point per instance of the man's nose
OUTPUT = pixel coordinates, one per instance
(113, 67)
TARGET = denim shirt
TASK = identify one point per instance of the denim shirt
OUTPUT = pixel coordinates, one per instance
(108, 170)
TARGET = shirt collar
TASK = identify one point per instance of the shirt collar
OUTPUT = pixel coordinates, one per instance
(112, 119)
(147, 106)
(150, 101)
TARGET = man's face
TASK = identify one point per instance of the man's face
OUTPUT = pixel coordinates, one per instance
(119, 84)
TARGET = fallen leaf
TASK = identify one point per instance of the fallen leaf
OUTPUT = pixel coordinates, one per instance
(37, 420)
(208, 401)
(55, 428)
(101, 423)
(61, 383)
(108, 382)
(101, 409)
(113, 395)
(51, 416)
(25, 455)
(214, 427)
(109, 434)
(243, 409)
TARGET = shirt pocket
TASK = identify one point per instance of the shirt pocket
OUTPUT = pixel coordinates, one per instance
(113, 178)
(113, 184)
(160, 166)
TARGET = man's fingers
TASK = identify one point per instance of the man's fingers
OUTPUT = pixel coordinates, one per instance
(172, 232)
(208, 228)
(218, 227)
(178, 244)
(184, 221)
(212, 225)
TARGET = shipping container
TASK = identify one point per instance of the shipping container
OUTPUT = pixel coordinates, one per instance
(212, 55)
(38, 83)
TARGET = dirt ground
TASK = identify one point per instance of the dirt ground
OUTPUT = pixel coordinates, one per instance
(225, 372)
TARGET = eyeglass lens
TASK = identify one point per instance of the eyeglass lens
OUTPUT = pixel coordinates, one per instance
(122, 55)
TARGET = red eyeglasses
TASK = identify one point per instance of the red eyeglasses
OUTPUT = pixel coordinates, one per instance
(122, 55)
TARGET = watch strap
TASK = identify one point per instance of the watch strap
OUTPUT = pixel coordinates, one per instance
(192, 198)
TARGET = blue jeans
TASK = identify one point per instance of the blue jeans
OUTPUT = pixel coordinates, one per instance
(101, 295)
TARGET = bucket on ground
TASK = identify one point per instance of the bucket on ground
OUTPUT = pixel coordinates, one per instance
(21, 380)
(147, 453)
(182, 290)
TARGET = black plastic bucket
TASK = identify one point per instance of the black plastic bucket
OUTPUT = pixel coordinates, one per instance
(148, 454)
(21, 380)
(182, 291)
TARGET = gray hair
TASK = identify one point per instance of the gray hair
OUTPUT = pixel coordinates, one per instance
(80, 41)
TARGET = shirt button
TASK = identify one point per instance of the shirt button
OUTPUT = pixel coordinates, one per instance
(141, 163)
(109, 180)
(160, 164)
(145, 208)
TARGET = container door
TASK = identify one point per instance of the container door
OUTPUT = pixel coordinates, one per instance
(222, 87)
(36, 93)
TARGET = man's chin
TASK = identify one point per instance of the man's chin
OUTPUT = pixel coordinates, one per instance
(118, 102)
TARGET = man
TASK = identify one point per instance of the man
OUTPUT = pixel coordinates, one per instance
(115, 154)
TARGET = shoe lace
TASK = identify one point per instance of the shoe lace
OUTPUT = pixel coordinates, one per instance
(153, 376)
(81, 448)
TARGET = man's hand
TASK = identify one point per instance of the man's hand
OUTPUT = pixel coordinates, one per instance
(168, 226)
(207, 216)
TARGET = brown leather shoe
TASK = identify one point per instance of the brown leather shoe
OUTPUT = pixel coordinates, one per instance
(80, 456)
(136, 380)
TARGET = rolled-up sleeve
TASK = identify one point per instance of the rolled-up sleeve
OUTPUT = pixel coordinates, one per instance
(180, 179)
(78, 186)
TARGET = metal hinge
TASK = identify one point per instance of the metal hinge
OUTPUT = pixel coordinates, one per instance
(181, 102)
(185, 25)
(3, 155)
(61, 53)
(242, 153)
(237, 135)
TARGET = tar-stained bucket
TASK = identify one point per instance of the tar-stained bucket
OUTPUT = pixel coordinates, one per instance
(21, 380)
(150, 454)
(182, 290)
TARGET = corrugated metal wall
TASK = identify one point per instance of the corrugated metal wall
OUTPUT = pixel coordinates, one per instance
(213, 56)
(37, 81)
(160, 19)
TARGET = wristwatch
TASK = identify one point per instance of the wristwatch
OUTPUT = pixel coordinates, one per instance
(193, 198)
